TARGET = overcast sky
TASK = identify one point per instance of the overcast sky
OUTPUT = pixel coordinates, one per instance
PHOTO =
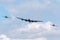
(44, 10)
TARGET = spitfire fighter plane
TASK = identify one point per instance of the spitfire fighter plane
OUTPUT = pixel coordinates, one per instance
(53, 25)
(6, 16)
(28, 20)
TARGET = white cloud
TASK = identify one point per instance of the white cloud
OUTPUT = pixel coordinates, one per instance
(27, 6)
(33, 30)
(42, 38)
(4, 37)
(36, 26)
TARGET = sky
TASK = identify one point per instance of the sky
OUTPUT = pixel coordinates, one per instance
(47, 11)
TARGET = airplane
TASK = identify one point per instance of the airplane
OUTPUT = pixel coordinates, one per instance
(6, 16)
(28, 20)
(53, 25)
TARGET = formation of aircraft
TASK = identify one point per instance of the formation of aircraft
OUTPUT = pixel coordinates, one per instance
(28, 20)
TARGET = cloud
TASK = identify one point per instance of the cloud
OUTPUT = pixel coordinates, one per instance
(4, 37)
(33, 30)
(31, 7)
(42, 38)
(27, 6)
(36, 26)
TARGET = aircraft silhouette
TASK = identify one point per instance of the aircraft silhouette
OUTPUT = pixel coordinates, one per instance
(53, 25)
(28, 20)
(6, 16)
